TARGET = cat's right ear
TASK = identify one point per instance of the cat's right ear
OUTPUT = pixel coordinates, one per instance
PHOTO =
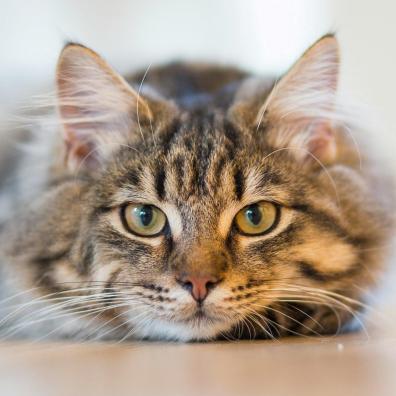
(97, 107)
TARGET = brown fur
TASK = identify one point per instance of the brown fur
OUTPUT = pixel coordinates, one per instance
(202, 148)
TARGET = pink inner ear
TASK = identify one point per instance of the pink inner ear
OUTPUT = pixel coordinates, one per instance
(79, 152)
(322, 143)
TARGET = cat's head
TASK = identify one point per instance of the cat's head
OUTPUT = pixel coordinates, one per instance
(196, 224)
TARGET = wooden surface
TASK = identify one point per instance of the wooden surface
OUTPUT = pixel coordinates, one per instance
(348, 365)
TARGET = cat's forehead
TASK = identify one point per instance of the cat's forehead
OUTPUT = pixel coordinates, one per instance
(202, 163)
(200, 153)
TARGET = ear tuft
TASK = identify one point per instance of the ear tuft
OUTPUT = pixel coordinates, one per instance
(96, 105)
(301, 109)
(308, 89)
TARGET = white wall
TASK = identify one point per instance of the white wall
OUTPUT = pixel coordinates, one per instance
(367, 33)
(261, 35)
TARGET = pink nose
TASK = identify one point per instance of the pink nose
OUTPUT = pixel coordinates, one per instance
(198, 286)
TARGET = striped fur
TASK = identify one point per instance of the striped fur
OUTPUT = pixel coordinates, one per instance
(209, 141)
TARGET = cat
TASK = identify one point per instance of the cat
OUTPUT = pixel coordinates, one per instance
(192, 202)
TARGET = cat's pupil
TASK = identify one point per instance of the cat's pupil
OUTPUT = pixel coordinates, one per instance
(146, 215)
(253, 214)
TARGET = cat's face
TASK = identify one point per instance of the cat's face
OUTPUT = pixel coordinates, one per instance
(228, 223)
(225, 231)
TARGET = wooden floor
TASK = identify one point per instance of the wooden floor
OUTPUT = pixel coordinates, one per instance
(355, 364)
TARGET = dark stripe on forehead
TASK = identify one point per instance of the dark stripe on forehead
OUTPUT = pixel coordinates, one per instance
(159, 181)
(168, 136)
(239, 182)
(178, 166)
(268, 177)
(204, 129)
(188, 142)
(231, 133)
(133, 177)
(218, 166)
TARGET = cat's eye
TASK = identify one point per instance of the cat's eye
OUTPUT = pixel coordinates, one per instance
(143, 220)
(257, 219)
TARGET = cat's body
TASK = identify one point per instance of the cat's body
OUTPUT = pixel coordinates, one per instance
(200, 145)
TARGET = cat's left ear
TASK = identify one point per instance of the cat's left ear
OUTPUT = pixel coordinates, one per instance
(98, 109)
(299, 112)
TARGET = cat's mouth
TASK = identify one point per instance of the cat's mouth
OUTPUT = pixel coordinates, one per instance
(193, 322)
(200, 315)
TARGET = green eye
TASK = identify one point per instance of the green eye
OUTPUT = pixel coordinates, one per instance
(257, 219)
(143, 220)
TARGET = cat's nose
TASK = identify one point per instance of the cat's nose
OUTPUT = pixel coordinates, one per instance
(198, 285)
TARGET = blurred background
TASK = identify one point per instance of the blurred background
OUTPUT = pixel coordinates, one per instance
(264, 36)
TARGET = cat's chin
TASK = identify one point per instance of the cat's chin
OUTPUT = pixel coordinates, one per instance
(202, 329)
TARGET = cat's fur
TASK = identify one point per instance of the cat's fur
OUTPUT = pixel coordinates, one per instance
(200, 142)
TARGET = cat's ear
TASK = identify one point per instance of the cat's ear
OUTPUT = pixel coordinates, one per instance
(300, 109)
(97, 107)
(299, 112)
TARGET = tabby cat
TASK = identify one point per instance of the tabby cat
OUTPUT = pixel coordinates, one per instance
(192, 202)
